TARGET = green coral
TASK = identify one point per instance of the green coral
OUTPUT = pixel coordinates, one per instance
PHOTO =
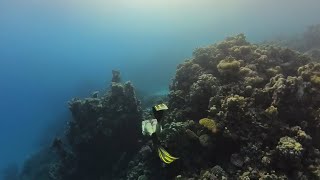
(242, 51)
(246, 71)
(310, 72)
(289, 147)
(253, 81)
(213, 110)
(228, 66)
(315, 79)
(271, 111)
(234, 101)
(210, 124)
(250, 75)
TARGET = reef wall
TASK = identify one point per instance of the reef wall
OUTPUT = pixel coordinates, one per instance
(242, 111)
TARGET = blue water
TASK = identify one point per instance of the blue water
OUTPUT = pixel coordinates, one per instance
(51, 51)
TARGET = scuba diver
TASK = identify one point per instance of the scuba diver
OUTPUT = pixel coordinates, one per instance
(153, 128)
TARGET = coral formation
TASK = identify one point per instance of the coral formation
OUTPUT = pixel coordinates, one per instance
(209, 124)
(116, 76)
(102, 135)
(262, 109)
(263, 99)
(229, 67)
(271, 112)
(289, 148)
(311, 72)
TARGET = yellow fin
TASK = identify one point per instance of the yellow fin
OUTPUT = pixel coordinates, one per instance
(161, 107)
(166, 157)
(162, 158)
(166, 154)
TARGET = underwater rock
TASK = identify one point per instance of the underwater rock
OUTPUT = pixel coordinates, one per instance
(143, 177)
(116, 76)
(237, 160)
(104, 130)
(145, 151)
(265, 160)
(215, 173)
(192, 135)
(205, 140)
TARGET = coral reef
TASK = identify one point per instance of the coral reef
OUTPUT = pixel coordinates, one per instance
(102, 135)
(311, 72)
(258, 108)
(264, 101)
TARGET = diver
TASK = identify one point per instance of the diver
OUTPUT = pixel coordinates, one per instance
(153, 128)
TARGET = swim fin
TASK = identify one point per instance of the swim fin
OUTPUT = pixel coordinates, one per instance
(165, 156)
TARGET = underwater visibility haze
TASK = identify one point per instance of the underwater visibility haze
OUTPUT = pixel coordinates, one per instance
(236, 84)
